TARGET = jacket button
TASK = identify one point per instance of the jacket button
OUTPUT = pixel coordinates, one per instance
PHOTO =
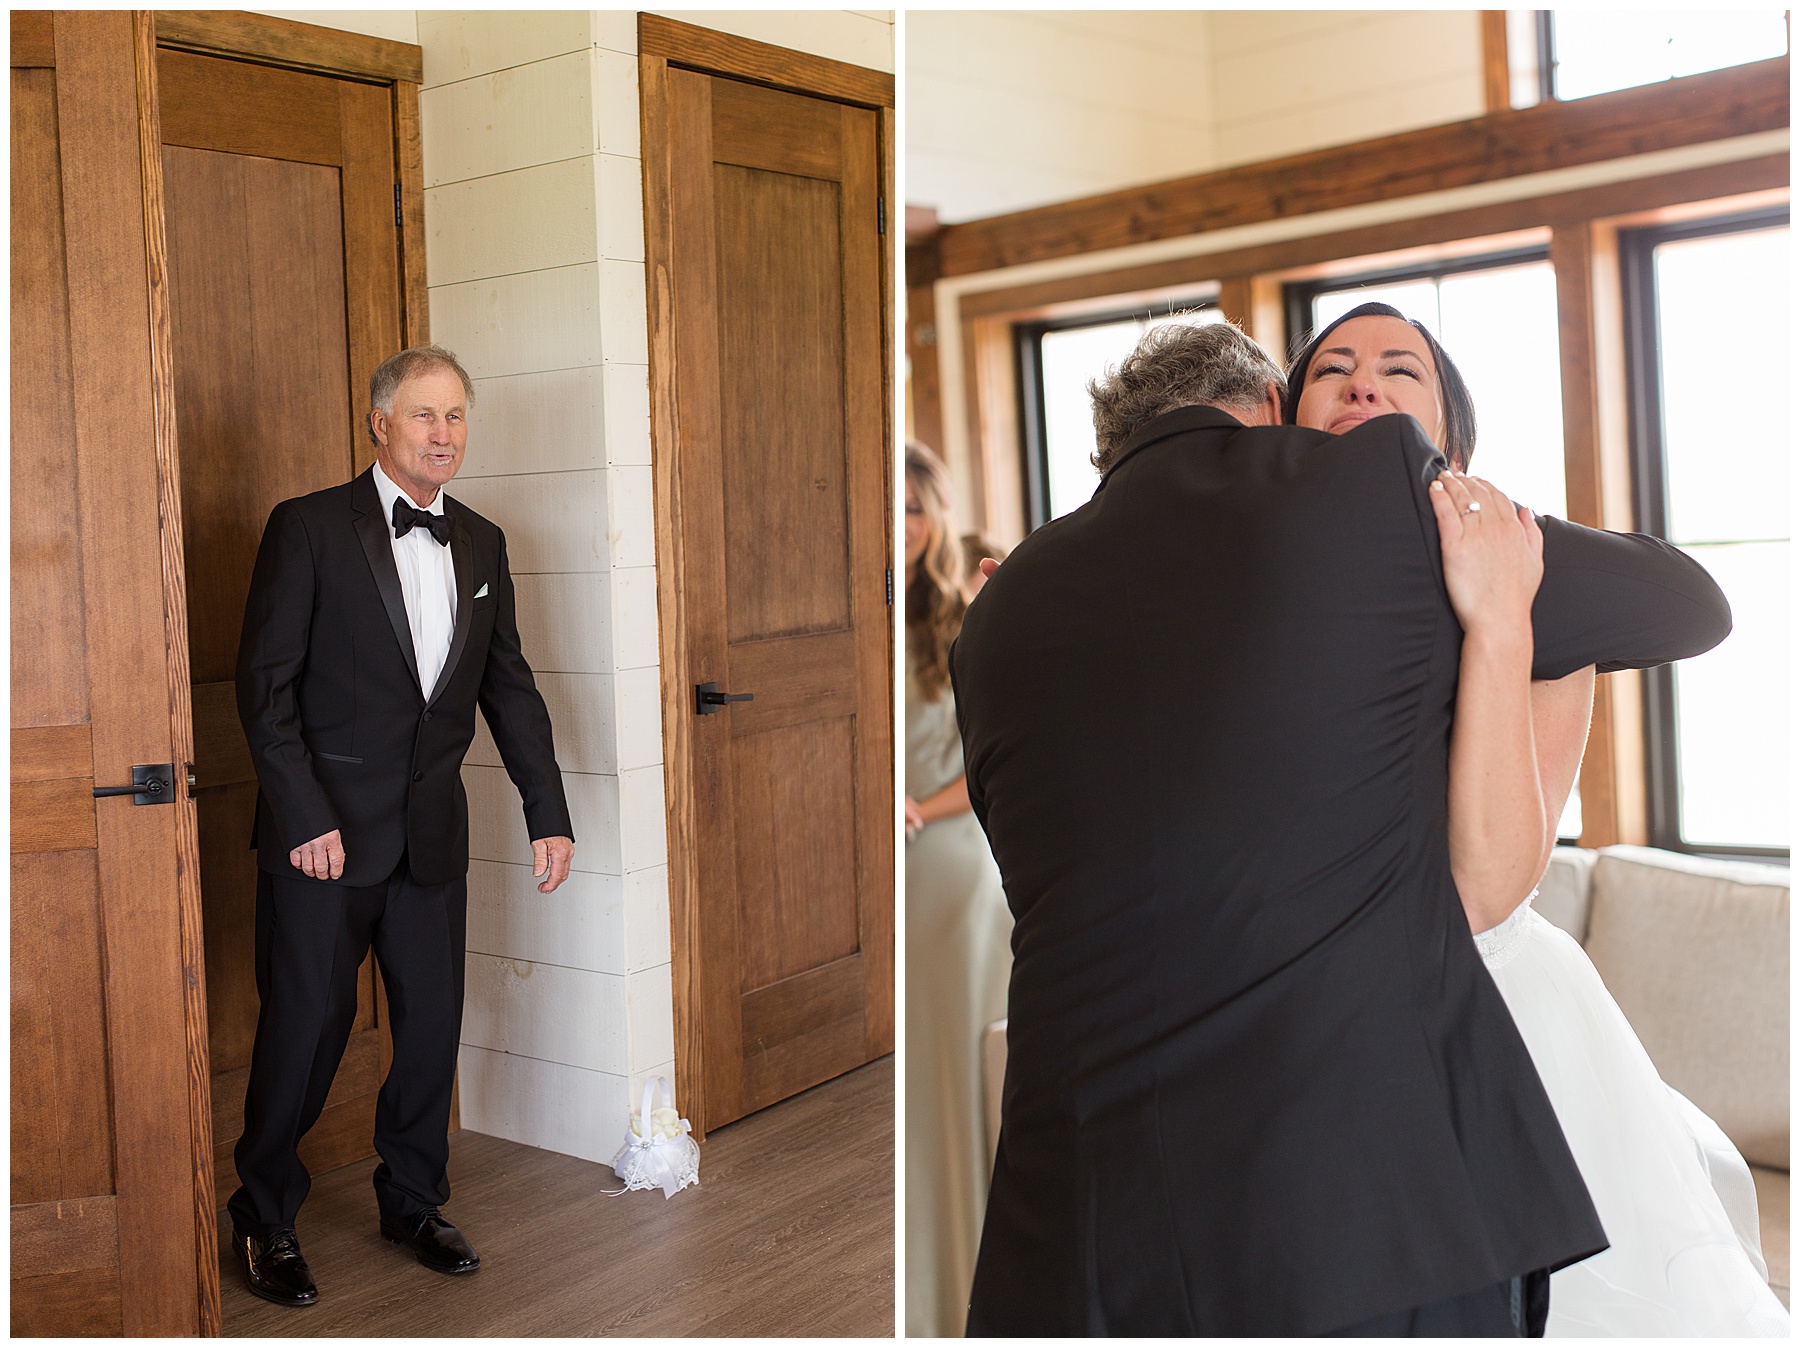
(427, 716)
(418, 776)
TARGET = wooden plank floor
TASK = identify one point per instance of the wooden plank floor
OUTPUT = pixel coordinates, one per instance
(790, 1232)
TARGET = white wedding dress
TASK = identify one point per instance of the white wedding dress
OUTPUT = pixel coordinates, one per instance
(1673, 1194)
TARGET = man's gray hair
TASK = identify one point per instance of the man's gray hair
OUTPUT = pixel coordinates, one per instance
(1178, 365)
(403, 365)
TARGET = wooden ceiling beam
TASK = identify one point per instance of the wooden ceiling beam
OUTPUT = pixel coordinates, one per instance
(1717, 105)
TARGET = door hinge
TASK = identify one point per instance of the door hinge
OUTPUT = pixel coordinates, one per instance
(890, 586)
(396, 205)
(881, 215)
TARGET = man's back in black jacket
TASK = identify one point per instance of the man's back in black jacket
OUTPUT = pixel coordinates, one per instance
(1258, 1081)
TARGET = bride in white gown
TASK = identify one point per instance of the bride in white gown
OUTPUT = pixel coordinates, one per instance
(1673, 1194)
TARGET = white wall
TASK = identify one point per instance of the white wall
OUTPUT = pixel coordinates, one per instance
(535, 264)
(1006, 111)
(534, 258)
(1012, 109)
(1286, 82)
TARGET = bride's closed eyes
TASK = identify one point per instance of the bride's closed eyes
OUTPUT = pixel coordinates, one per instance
(1338, 367)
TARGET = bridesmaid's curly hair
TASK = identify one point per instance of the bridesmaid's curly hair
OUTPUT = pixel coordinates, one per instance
(934, 595)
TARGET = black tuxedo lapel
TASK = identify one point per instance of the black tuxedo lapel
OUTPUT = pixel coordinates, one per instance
(374, 532)
(462, 556)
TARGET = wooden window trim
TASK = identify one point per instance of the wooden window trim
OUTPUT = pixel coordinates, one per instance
(1581, 227)
(691, 47)
(1251, 280)
(1717, 105)
(1496, 66)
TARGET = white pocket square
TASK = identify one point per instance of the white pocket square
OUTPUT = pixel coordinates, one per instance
(482, 591)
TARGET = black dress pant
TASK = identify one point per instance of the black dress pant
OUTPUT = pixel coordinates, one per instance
(1514, 1309)
(311, 938)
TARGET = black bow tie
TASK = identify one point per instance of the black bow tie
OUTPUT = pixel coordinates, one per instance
(406, 517)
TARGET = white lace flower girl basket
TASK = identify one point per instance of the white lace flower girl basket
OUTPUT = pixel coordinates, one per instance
(658, 1153)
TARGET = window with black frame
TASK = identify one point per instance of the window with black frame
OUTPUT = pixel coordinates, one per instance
(1496, 316)
(1057, 358)
(1707, 350)
(1594, 51)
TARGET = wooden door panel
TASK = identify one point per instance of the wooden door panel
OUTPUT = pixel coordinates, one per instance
(802, 1030)
(775, 297)
(62, 1108)
(105, 1101)
(286, 297)
(781, 132)
(780, 316)
(214, 104)
(256, 271)
(795, 680)
(49, 676)
(794, 795)
(65, 1268)
(372, 294)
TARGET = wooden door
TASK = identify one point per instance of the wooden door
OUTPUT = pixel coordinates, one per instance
(112, 1227)
(283, 271)
(773, 585)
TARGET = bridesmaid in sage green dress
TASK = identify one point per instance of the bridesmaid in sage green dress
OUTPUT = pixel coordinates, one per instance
(958, 932)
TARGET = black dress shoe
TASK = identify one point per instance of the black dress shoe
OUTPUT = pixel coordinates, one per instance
(437, 1244)
(274, 1268)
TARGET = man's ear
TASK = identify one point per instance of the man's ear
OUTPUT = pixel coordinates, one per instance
(1272, 403)
(377, 430)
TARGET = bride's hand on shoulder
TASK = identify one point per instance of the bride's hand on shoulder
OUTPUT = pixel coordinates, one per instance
(1493, 554)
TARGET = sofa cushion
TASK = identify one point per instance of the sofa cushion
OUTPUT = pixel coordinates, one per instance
(1562, 895)
(1696, 954)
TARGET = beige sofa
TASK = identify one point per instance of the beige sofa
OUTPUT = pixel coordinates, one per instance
(1696, 954)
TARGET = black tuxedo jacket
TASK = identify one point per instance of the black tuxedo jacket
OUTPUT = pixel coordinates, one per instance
(1258, 1080)
(328, 691)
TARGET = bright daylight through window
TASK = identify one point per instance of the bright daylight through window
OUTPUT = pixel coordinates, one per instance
(1070, 358)
(1597, 50)
(1721, 317)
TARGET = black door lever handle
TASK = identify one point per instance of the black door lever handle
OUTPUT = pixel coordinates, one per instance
(151, 784)
(708, 699)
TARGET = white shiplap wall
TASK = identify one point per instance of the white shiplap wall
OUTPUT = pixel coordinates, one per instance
(535, 263)
(1009, 110)
(534, 258)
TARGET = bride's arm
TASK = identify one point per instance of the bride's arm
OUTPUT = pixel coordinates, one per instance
(1499, 829)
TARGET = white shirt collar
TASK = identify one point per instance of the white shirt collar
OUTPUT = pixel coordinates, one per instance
(389, 493)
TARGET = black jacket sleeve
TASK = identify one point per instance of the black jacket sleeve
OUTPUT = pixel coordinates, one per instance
(271, 656)
(1620, 601)
(519, 721)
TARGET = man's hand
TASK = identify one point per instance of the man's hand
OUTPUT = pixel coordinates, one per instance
(322, 858)
(552, 855)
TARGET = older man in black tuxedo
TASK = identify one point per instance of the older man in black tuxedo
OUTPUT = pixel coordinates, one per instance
(1258, 1081)
(380, 614)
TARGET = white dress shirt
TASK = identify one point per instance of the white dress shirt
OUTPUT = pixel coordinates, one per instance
(427, 580)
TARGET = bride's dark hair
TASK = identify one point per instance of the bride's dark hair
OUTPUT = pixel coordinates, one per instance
(1453, 392)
